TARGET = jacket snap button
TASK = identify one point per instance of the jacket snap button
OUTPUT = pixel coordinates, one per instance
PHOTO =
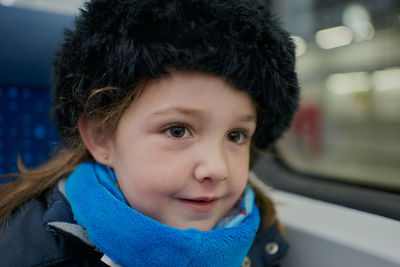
(246, 262)
(271, 248)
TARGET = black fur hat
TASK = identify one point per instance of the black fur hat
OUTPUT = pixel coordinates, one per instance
(119, 42)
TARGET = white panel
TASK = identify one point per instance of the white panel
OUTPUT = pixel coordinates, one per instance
(322, 234)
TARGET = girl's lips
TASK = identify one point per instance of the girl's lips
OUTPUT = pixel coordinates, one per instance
(199, 204)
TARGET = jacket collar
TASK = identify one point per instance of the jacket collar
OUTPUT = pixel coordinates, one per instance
(59, 216)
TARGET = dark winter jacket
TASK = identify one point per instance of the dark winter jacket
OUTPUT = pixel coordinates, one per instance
(43, 233)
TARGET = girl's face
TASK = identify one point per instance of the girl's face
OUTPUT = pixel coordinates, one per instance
(181, 151)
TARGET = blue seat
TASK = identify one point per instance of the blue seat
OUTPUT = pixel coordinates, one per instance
(25, 127)
(29, 41)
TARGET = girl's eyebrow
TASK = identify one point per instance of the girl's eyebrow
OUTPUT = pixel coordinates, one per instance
(248, 118)
(180, 110)
(198, 113)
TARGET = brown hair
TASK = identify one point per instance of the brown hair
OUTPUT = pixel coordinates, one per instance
(31, 183)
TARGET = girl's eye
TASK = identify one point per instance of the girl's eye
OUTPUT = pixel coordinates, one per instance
(236, 137)
(178, 132)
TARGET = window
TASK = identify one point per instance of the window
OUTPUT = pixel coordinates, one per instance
(348, 125)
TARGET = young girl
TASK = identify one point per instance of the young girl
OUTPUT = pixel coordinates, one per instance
(158, 104)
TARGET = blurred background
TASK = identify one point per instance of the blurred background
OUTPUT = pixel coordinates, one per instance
(348, 126)
(348, 60)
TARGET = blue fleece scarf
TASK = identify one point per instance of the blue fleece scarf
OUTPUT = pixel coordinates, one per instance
(130, 238)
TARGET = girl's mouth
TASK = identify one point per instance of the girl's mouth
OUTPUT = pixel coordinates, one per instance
(199, 204)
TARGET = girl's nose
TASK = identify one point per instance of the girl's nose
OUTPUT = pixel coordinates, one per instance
(212, 164)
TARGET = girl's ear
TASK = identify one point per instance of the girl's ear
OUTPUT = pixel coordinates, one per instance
(96, 139)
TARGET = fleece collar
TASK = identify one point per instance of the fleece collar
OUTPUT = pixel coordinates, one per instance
(130, 238)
